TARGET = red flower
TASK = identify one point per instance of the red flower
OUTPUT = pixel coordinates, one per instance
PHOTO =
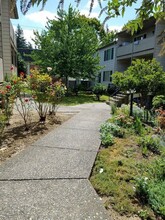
(8, 87)
(12, 68)
(26, 100)
(22, 74)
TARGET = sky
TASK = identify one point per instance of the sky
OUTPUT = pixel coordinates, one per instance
(36, 19)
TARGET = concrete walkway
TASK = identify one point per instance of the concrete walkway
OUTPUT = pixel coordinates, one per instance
(49, 180)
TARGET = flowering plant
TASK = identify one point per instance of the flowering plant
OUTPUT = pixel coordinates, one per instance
(7, 96)
(45, 92)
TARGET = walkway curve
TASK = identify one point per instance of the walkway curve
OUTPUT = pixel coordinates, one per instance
(49, 179)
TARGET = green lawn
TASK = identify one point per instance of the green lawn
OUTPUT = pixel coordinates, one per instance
(82, 98)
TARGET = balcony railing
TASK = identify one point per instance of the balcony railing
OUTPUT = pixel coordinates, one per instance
(12, 35)
(136, 47)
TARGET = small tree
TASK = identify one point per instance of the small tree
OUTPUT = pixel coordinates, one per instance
(146, 77)
(99, 90)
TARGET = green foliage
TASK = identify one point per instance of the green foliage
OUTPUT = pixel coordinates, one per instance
(113, 108)
(45, 92)
(2, 122)
(99, 89)
(150, 143)
(138, 126)
(7, 97)
(107, 139)
(143, 76)
(68, 46)
(158, 101)
(142, 189)
(111, 128)
(156, 197)
(152, 193)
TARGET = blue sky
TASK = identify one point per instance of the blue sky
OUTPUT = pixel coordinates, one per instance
(36, 19)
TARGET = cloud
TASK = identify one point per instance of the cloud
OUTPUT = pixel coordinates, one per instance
(29, 35)
(40, 17)
(86, 13)
(115, 27)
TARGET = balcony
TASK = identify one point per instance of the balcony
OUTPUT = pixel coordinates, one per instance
(12, 35)
(140, 47)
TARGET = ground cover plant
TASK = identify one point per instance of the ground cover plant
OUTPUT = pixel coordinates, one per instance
(129, 172)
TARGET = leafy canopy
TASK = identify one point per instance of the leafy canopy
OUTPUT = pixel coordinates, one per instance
(143, 76)
(68, 46)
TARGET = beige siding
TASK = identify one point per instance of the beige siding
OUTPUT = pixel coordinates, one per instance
(6, 37)
(0, 41)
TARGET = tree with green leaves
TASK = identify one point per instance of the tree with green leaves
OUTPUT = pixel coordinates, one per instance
(146, 77)
(21, 41)
(68, 46)
(114, 8)
(21, 45)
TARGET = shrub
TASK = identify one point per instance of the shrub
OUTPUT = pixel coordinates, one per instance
(112, 128)
(138, 126)
(142, 187)
(99, 90)
(137, 111)
(2, 122)
(156, 197)
(151, 193)
(7, 97)
(23, 103)
(45, 92)
(113, 108)
(107, 139)
(150, 143)
(158, 101)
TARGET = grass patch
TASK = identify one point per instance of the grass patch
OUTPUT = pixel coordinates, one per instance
(82, 98)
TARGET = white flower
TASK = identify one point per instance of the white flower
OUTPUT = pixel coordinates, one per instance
(49, 69)
(101, 170)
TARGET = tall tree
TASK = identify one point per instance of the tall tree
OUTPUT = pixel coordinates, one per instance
(21, 41)
(22, 45)
(68, 46)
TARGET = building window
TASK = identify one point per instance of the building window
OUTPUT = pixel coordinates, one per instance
(107, 76)
(99, 78)
(109, 54)
(111, 76)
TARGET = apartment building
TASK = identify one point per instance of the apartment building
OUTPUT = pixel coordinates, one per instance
(8, 48)
(118, 56)
(107, 56)
(144, 44)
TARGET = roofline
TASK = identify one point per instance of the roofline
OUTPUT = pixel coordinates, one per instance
(107, 45)
(13, 10)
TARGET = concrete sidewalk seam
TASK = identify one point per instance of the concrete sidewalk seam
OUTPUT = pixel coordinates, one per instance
(65, 148)
(42, 179)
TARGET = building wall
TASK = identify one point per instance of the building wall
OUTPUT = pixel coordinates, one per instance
(160, 27)
(107, 65)
(6, 46)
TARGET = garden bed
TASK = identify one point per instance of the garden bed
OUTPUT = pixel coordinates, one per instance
(129, 171)
(15, 138)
